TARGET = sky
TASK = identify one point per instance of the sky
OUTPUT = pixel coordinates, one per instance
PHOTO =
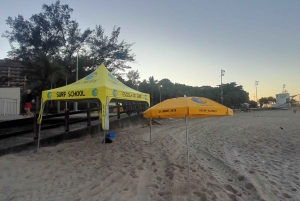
(190, 41)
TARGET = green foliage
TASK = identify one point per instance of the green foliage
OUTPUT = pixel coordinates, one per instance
(253, 104)
(263, 101)
(234, 95)
(48, 44)
(133, 76)
(271, 99)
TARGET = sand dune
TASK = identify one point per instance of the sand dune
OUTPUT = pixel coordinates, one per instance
(245, 157)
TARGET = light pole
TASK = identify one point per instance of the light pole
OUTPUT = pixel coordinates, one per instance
(76, 104)
(160, 93)
(66, 103)
(256, 83)
(222, 74)
(137, 86)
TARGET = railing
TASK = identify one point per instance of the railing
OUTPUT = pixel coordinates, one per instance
(27, 125)
(8, 106)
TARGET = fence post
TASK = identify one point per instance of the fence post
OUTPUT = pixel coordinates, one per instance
(37, 104)
(66, 120)
(138, 108)
(4, 107)
(35, 127)
(118, 110)
(88, 114)
(58, 107)
(129, 109)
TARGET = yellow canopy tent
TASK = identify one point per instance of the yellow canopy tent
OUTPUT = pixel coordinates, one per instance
(187, 107)
(101, 86)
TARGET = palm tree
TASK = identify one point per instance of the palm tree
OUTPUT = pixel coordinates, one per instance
(152, 82)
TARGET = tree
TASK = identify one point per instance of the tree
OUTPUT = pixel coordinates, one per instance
(167, 89)
(51, 40)
(253, 104)
(271, 99)
(134, 76)
(107, 50)
(152, 82)
(263, 101)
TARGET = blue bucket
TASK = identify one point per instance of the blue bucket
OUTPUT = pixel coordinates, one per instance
(111, 135)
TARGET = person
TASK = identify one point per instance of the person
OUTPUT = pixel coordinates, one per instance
(28, 101)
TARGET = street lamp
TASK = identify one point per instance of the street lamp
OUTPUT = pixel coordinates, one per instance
(160, 93)
(76, 104)
(138, 84)
(222, 74)
(256, 83)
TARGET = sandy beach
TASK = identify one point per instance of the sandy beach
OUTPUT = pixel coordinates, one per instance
(250, 156)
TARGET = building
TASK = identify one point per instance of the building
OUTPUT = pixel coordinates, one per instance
(11, 74)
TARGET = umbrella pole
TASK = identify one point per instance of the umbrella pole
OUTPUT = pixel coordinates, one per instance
(104, 137)
(188, 154)
(150, 131)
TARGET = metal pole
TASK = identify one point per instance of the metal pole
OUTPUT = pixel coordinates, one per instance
(221, 91)
(104, 137)
(150, 123)
(77, 68)
(66, 104)
(67, 128)
(222, 71)
(88, 115)
(39, 134)
(256, 83)
(159, 95)
(256, 92)
(76, 104)
(188, 154)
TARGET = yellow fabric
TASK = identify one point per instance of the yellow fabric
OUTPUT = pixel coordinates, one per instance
(189, 107)
(97, 85)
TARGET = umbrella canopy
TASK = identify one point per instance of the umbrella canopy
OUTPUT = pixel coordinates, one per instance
(187, 107)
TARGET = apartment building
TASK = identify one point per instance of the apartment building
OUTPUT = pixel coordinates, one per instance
(11, 74)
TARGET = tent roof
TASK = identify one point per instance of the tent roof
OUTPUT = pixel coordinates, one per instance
(99, 84)
(101, 77)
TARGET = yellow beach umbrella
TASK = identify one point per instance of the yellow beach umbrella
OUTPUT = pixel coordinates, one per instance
(187, 107)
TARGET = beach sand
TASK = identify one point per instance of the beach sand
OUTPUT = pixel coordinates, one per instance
(250, 156)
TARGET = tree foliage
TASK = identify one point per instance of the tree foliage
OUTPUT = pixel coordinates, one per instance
(234, 95)
(266, 101)
(133, 76)
(48, 44)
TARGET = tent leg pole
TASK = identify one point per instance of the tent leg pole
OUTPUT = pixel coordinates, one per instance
(188, 154)
(39, 134)
(104, 137)
(42, 107)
